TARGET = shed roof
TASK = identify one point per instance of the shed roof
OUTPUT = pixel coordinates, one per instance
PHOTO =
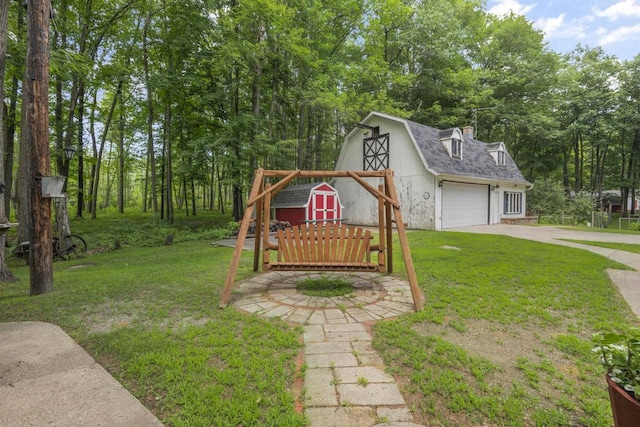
(296, 196)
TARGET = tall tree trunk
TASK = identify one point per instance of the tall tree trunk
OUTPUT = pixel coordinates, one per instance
(151, 157)
(169, 163)
(185, 195)
(577, 162)
(630, 181)
(9, 143)
(37, 91)
(220, 192)
(80, 148)
(317, 149)
(94, 145)
(212, 187)
(565, 170)
(24, 172)
(236, 169)
(193, 197)
(5, 274)
(11, 126)
(103, 140)
(301, 145)
(107, 196)
(121, 156)
(63, 227)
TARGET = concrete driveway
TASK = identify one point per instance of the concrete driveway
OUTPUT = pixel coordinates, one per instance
(628, 282)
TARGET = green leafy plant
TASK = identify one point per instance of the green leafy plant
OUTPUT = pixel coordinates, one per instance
(324, 287)
(620, 353)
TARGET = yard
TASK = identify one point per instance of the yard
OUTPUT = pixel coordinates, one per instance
(504, 338)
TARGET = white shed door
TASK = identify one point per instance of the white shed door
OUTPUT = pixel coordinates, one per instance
(464, 204)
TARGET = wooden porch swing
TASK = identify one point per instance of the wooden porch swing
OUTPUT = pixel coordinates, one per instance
(324, 246)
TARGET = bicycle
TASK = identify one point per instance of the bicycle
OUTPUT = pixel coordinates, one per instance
(66, 248)
(69, 247)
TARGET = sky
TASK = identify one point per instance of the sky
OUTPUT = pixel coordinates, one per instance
(614, 24)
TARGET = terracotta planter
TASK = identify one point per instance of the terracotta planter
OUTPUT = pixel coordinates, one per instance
(626, 409)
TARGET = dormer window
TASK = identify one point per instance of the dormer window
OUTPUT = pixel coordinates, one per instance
(498, 152)
(451, 140)
(456, 148)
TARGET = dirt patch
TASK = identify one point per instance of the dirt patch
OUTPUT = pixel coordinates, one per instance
(111, 315)
(513, 350)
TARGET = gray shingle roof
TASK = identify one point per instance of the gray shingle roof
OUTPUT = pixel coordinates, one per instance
(476, 160)
(294, 196)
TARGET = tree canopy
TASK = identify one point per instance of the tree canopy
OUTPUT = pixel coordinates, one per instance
(174, 104)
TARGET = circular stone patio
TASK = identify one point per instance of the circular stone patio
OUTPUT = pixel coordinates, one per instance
(374, 297)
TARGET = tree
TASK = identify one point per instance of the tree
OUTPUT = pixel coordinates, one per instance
(547, 197)
(37, 121)
(5, 274)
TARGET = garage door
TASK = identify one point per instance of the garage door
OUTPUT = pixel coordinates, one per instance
(464, 204)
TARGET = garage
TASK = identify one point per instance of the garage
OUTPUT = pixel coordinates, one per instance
(464, 204)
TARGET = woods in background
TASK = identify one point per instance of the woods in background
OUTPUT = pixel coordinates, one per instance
(174, 104)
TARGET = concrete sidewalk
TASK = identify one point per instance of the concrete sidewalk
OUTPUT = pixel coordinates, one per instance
(627, 282)
(46, 378)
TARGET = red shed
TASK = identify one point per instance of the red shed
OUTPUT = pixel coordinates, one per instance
(315, 202)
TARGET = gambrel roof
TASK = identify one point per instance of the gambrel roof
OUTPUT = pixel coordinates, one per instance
(476, 162)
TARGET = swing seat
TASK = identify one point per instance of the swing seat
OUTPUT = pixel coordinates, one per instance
(329, 247)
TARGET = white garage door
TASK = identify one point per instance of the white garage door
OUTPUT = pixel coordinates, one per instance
(464, 204)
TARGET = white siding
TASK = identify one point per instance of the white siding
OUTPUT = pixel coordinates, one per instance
(414, 184)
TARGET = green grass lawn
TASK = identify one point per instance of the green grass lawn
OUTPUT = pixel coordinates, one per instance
(504, 338)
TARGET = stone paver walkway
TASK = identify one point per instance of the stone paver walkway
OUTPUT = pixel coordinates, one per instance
(345, 381)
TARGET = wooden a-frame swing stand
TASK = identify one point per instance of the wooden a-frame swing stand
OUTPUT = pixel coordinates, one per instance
(324, 247)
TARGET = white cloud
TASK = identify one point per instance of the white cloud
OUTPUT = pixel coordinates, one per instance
(504, 7)
(558, 28)
(550, 26)
(622, 9)
(621, 34)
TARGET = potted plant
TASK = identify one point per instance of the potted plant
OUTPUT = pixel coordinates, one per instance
(620, 353)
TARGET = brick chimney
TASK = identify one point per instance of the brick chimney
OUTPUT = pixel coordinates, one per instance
(468, 130)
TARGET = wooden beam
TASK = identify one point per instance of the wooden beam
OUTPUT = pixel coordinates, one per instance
(267, 219)
(325, 174)
(256, 246)
(388, 217)
(277, 187)
(242, 235)
(381, 232)
(404, 244)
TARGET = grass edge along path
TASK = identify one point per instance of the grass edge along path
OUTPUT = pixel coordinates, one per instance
(627, 247)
